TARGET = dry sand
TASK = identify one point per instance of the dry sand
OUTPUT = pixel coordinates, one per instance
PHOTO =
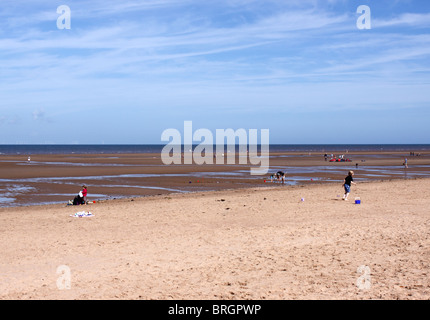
(258, 243)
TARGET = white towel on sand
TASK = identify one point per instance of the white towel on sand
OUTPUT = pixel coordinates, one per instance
(81, 214)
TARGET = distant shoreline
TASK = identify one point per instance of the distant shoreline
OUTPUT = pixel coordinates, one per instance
(36, 149)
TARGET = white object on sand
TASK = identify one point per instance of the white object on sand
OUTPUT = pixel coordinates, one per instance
(81, 214)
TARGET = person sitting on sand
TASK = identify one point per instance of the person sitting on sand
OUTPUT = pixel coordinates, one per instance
(78, 200)
(347, 184)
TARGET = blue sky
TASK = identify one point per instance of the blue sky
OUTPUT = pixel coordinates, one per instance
(127, 70)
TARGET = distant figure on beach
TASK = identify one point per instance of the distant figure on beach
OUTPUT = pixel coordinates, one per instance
(347, 184)
(84, 193)
(405, 163)
(280, 176)
(81, 198)
(29, 159)
(78, 200)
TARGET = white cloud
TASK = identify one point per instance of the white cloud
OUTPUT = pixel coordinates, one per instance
(406, 19)
(39, 114)
(241, 55)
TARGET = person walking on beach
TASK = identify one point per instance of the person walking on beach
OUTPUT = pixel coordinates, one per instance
(347, 184)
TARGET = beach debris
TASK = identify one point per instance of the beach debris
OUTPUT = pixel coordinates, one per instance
(302, 199)
(82, 214)
(357, 200)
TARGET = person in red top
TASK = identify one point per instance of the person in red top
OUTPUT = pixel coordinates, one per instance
(84, 193)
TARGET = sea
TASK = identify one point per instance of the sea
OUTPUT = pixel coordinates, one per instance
(29, 149)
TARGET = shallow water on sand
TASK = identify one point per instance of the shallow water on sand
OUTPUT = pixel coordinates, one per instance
(57, 178)
(28, 191)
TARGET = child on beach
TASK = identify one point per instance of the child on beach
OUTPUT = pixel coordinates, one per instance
(84, 193)
(347, 184)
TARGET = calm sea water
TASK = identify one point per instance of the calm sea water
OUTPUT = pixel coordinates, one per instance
(154, 148)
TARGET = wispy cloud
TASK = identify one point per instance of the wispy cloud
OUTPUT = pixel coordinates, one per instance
(182, 56)
(112, 49)
(406, 19)
(9, 120)
(38, 114)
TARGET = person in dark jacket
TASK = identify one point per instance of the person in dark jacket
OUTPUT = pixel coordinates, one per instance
(347, 184)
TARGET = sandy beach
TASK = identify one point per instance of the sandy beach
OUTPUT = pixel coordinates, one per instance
(253, 243)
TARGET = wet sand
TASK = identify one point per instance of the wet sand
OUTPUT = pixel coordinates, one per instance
(255, 243)
(58, 178)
